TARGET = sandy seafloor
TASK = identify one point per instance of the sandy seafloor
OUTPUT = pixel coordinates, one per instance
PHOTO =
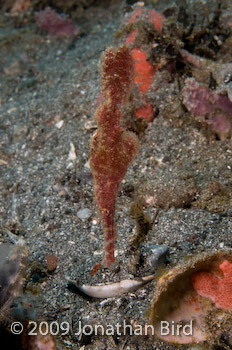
(42, 189)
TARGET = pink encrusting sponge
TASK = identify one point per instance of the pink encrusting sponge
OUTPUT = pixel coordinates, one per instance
(219, 290)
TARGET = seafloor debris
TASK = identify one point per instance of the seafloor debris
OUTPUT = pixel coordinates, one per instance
(55, 24)
(213, 109)
(221, 72)
(12, 264)
(179, 300)
(25, 307)
(214, 197)
(20, 5)
(43, 340)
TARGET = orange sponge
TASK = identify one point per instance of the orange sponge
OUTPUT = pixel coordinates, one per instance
(144, 70)
(148, 15)
(219, 290)
(145, 112)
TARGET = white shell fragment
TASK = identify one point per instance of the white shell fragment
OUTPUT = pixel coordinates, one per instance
(72, 152)
(59, 124)
(114, 289)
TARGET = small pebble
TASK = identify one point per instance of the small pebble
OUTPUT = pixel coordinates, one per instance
(84, 213)
(154, 255)
(95, 221)
(51, 262)
(12, 69)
